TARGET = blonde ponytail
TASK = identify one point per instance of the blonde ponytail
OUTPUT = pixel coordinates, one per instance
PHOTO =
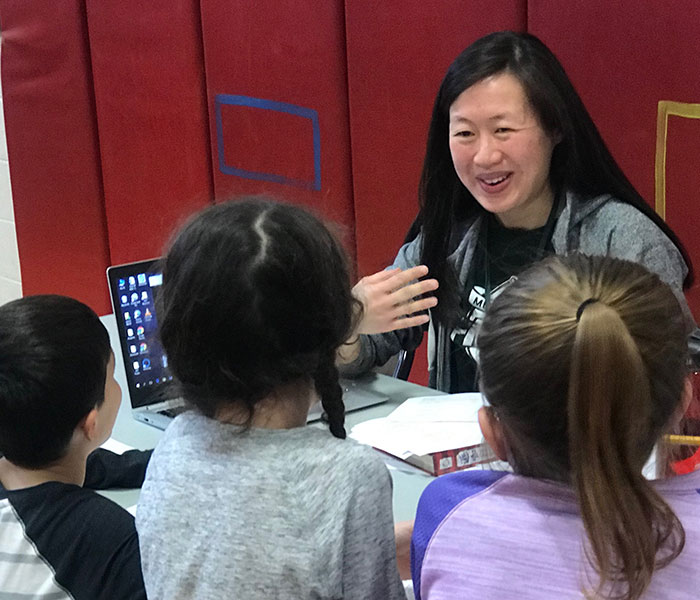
(609, 407)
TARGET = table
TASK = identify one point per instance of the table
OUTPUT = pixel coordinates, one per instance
(408, 482)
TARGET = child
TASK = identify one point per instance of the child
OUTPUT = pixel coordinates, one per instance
(58, 402)
(583, 364)
(241, 498)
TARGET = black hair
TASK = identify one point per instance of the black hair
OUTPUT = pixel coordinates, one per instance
(581, 162)
(53, 366)
(256, 295)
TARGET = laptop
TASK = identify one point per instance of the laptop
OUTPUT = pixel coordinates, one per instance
(154, 398)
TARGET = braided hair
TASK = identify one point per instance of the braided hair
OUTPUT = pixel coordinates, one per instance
(256, 295)
(331, 395)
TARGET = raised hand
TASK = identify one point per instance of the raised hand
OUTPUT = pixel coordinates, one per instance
(391, 299)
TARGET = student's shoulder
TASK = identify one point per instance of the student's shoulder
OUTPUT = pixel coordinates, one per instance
(438, 501)
(86, 512)
(354, 459)
(447, 491)
(70, 526)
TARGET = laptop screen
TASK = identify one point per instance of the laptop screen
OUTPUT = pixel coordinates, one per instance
(134, 288)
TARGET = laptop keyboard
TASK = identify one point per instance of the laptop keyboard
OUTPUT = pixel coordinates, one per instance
(173, 412)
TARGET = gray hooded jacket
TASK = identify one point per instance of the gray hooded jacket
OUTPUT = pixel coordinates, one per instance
(596, 226)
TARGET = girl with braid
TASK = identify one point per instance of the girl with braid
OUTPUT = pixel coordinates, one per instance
(242, 499)
(584, 367)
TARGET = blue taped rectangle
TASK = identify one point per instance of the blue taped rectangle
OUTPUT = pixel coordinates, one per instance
(292, 109)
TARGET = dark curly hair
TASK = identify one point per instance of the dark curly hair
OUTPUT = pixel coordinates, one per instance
(256, 295)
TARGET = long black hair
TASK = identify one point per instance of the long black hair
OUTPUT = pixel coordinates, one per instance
(256, 295)
(581, 162)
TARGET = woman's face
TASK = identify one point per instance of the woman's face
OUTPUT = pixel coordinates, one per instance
(500, 151)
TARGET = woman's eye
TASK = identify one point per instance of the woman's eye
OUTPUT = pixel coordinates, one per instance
(503, 130)
(463, 134)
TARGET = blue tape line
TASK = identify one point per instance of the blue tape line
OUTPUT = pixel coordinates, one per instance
(292, 109)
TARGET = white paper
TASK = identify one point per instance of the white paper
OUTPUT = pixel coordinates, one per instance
(425, 425)
(117, 447)
(448, 408)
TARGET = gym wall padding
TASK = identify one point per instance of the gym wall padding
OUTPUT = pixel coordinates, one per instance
(624, 58)
(53, 150)
(122, 118)
(278, 109)
(152, 120)
(398, 53)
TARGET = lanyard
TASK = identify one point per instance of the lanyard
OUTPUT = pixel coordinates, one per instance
(547, 233)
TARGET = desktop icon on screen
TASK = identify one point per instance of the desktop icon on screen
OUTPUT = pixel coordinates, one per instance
(142, 278)
(144, 347)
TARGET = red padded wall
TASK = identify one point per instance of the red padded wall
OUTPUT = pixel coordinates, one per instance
(290, 56)
(624, 58)
(398, 53)
(53, 150)
(152, 119)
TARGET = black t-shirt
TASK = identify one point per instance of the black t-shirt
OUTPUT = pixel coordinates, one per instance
(499, 256)
(59, 540)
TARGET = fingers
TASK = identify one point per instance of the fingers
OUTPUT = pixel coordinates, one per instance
(401, 278)
(396, 276)
(420, 305)
(413, 321)
(395, 299)
(381, 275)
(407, 293)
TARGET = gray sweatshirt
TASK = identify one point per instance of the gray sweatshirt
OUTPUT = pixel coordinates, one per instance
(265, 513)
(596, 226)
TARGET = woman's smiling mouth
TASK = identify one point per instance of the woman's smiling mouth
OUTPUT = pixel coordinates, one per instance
(494, 182)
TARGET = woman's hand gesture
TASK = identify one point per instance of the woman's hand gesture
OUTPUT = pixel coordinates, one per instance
(391, 299)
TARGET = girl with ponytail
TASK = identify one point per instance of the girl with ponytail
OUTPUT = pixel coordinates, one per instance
(241, 499)
(584, 367)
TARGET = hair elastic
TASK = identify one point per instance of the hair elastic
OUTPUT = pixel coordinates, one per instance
(582, 307)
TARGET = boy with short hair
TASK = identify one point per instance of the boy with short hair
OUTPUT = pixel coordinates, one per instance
(58, 403)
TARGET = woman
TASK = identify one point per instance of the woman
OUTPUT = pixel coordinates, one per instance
(584, 366)
(514, 170)
(241, 499)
